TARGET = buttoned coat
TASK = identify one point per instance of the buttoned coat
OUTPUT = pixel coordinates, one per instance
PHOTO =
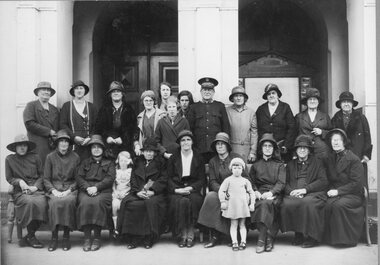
(140, 119)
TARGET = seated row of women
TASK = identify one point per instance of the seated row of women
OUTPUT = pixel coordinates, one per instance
(314, 198)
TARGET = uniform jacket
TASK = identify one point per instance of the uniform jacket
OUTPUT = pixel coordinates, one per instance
(357, 132)
(206, 120)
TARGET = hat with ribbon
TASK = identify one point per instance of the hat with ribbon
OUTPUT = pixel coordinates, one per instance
(238, 90)
(21, 139)
(269, 88)
(346, 95)
(44, 85)
(77, 84)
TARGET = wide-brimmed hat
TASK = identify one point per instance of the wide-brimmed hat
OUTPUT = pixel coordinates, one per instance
(336, 131)
(150, 144)
(346, 96)
(208, 82)
(238, 90)
(311, 92)
(268, 137)
(303, 140)
(269, 88)
(21, 139)
(148, 93)
(63, 134)
(96, 139)
(184, 133)
(44, 84)
(79, 83)
(237, 160)
(224, 137)
(115, 85)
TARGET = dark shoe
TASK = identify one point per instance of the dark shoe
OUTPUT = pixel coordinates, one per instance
(182, 243)
(260, 248)
(309, 243)
(269, 244)
(33, 242)
(131, 245)
(53, 244)
(22, 242)
(242, 246)
(66, 245)
(213, 242)
(87, 245)
(148, 243)
(235, 247)
(190, 243)
(298, 239)
(95, 244)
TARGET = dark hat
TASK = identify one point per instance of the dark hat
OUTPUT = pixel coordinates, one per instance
(148, 93)
(44, 84)
(21, 139)
(224, 137)
(150, 144)
(268, 137)
(96, 139)
(303, 140)
(184, 133)
(208, 82)
(346, 95)
(76, 84)
(311, 92)
(269, 88)
(238, 90)
(63, 134)
(336, 131)
(115, 85)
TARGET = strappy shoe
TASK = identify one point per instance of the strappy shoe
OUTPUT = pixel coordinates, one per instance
(242, 245)
(235, 247)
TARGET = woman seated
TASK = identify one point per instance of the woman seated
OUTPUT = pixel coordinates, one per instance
(268, 177)
(344, 210)
(186, 178)
(302, 210)
(210, 214)
(23, 170)
(61, 187)
(143, 210)
(95, 178)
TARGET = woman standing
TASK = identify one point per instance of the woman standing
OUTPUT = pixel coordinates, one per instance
(78, 118)
(268, 177)
(59, 179)
(23, 170)
(185, 99)
(143, 211)
(186, 178)
(116, 122)
(164, 92)
(314, 122)
(344, 210)
(95, 178)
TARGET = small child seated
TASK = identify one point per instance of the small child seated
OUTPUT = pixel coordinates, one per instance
(122, 185)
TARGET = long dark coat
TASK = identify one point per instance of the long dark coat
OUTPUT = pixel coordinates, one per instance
(128, 131)
(282, 123)
(184, 209)
(206, 120)
(344, 213)
(305, 215)
(39, 122)
(357, 131)
(145, 217)
(305, 126)
(95, 210)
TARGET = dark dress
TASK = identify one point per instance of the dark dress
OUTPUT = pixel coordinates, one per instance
(184, 209)
(210, 214)
(145, 217)
(305, 215)
(59, 174)
(268, 175)
(78, 125)
(28, 207)
(38, 123)
(95, 210)
(305, 126)
(345, 212)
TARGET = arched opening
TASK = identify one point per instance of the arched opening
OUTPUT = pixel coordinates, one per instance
(280, 42)
(135, 43)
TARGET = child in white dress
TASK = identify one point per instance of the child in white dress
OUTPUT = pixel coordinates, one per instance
(237, 200)
(122, 185)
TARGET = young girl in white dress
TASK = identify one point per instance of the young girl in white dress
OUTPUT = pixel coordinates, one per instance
(122, 185)
(237, 200)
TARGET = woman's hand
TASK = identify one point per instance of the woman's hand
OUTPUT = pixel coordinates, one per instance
(85, 141)
(182, 191)
(56, 193)
(23, 185)
(33, 189)
(258, 195)
(332, 193)
(150, 193)
(167, 155)
(110, 140)
(78, 140)
(137, 150)
(252, 207)
(298, 193)
(316, 131)
(118, 141)
(267, 195)
(92, 191)
(224, 205)
(142, 194)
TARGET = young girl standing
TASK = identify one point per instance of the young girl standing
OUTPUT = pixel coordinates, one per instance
(237, 200)
(122, 185)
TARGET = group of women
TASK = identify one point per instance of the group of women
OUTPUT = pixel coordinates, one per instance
(70, 159)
